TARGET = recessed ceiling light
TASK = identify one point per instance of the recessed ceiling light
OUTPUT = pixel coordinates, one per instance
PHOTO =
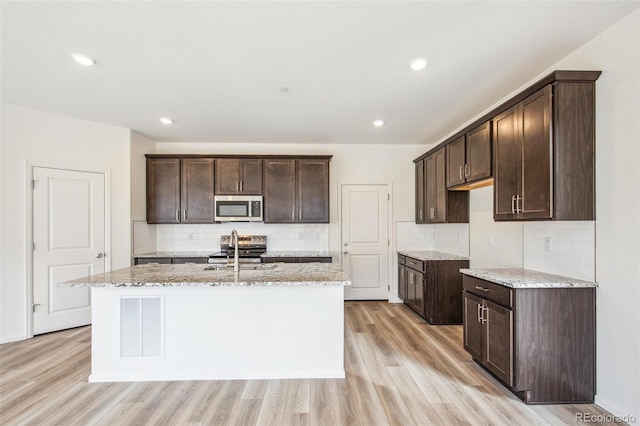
(418, 64)
(165, 120)
(82, 59)
(378, 123)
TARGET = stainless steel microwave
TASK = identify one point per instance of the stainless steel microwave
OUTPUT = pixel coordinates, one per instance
(238, 208)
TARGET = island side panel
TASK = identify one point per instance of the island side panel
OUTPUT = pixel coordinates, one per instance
(225, 333)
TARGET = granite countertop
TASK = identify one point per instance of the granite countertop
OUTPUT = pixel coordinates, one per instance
(300, 253)
(525, 278)
(296, 274)
(176, 254)
(431, 255)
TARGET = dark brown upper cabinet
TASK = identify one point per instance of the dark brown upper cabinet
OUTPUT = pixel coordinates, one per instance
(238, 176)
(545, 155)
(542, 144)
(469, 159)
(180, 190)
(434, 203)
(296, 190)
(421, 216)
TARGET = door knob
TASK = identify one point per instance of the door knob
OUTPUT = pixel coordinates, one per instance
(345, 252)
(101, 255)
(346, 244)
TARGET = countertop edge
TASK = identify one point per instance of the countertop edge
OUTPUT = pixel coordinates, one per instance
(525, 278)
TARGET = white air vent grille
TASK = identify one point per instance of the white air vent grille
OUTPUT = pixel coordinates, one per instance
(141, 328)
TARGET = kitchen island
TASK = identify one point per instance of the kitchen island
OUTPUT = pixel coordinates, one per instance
(185, 322)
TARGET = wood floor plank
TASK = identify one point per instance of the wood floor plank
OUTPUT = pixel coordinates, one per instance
(399, 370)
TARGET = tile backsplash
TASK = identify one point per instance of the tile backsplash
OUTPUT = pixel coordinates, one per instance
(447, 237)
(562, 248)
(206, 237)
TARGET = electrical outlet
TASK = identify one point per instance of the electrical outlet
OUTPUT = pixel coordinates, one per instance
(548, 245)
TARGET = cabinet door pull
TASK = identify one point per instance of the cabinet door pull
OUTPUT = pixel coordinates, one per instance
(518, 208)
(178, 215)
(480, 314)
(420, 214)
(237, 186)
(461, 172)
(184, 214)
(467, 170)
(241, 186)
(483, 320)
(513, 204)
(486, 290)
(293, 214)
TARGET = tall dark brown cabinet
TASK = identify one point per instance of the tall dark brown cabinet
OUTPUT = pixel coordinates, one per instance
(296, 190)
(180, 190)
(544, 152)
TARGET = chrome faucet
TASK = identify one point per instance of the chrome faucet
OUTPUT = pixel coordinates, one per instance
(234, 238)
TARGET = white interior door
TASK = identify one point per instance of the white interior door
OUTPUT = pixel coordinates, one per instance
(68, 237)
(365, 240)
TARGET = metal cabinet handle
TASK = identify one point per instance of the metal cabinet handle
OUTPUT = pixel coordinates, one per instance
(486, 290)
(513, 204)
(420, 214)
(479, 313)
(293, 214)
(467, 170)
(518, 199)
(184, 214)
(178, 215)
(461, 172)
(483, 320)
(241, 186)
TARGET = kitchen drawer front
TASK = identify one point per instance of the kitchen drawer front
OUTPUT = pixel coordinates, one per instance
(494, 292)
(182, 260)
(412, 263)
(151, 260)
(401, 259)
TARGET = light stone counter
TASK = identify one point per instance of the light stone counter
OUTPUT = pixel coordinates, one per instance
(280, 274)
(524, 278)
(426, 255)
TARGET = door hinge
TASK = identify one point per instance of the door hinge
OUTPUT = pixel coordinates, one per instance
(33, 183)
(33, 246)
(33, 306)
(389, 242)
(388, 197)
(388, 287)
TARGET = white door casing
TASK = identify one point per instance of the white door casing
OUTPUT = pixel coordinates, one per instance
(69, 242)
(365, 242)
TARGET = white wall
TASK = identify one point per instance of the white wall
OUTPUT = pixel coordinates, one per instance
(34, 136)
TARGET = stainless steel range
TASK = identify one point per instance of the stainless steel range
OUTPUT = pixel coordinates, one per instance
(250, 248)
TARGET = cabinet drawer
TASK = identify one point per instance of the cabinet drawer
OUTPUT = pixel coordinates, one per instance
(150, 260)
(488, 290)
(412, 263)
(401, 259)
(182, 260)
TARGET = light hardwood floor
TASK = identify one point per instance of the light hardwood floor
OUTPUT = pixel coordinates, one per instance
(400, 371)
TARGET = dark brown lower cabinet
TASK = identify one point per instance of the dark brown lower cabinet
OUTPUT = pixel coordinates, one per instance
(307, 259)
(539, 342)
(432, 288)
(169, 260)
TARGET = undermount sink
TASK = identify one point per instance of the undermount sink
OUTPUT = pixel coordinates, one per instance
(243, 266)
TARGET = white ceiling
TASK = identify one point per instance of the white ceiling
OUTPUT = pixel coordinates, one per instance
(217, 68)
